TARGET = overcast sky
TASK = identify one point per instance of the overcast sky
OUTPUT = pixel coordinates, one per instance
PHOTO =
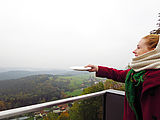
(63, 33)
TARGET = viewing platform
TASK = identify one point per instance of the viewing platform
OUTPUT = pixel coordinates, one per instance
(113, 101)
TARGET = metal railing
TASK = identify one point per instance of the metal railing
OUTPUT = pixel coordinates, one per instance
(38, 107)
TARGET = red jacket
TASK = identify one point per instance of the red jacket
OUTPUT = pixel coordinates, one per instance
(150, 95)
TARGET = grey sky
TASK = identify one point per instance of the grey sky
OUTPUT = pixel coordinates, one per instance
(64, 33)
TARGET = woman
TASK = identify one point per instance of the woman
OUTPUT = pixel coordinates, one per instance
(142, 80)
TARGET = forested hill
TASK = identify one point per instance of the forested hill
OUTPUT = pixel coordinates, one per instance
(37, 89)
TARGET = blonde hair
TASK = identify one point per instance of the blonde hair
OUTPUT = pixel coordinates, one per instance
(152, 40)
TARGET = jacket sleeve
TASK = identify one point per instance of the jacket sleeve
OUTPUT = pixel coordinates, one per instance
(110, 73)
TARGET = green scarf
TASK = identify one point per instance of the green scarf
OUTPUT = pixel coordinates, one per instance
(130, 87)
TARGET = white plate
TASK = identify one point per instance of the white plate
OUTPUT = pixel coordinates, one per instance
(80, 68)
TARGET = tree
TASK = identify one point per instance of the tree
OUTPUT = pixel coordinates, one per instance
(157, 31)
(110, 84)
(63, 116)
(2, 105)
(90, 109)
(51, 116)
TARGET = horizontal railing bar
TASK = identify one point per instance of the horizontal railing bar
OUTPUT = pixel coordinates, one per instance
(38, 107)
(116, 92)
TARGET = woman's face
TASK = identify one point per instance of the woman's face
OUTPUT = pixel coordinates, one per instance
(141, 48)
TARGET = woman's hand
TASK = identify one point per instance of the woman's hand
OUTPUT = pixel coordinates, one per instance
(94, 68)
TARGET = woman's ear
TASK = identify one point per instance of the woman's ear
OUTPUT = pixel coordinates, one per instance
(153, 48)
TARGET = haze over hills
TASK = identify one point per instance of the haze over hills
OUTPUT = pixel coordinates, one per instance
(15, 74)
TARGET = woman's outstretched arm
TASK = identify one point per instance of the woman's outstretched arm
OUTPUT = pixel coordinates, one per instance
(110, 73)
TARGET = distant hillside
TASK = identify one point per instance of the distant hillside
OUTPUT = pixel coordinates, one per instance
(38, 88)
(14, 74)
(21, 73)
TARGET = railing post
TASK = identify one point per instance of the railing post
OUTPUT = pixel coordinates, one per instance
(114, 106)
(104, 106)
